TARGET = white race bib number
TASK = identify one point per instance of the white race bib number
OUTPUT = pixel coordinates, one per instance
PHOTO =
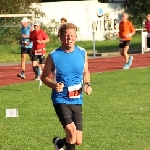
(25, 43)
(39, 51)
(74, 91)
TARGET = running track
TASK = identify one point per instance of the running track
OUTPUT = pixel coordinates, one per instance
(8, 73)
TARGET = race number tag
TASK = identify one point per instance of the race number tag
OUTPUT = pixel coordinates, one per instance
(120, 40)
(25, 43)
(74, 91)
(39, 51)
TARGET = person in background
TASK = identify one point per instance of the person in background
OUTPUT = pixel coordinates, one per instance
(147, 26)
(68, 86)
(26, 45)
(39, 39)
(126, 31)
(62, 21)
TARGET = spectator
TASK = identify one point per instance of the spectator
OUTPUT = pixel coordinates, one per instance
(62, 21)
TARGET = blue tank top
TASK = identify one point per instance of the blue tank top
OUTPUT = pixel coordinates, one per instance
(26, 31)
(69, 68)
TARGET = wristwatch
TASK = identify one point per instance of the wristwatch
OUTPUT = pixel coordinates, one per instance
(87, 83)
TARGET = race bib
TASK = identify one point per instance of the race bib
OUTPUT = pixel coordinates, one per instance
(39, 51)
(74, 91)
(25, 43)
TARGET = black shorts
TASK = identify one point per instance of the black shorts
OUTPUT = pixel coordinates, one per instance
(26, 51)
(68, 113)
(148, 42)
(40, 57)
(124, 44)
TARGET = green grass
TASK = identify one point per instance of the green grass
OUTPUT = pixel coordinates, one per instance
(116, 116)
(11, 53)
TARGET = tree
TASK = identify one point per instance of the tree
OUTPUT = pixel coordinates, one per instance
(15, 6)
(138, 11)
(9, 35)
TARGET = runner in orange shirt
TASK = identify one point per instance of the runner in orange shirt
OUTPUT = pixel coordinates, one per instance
(126, 31)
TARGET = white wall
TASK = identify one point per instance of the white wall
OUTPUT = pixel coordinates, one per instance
(82, 13)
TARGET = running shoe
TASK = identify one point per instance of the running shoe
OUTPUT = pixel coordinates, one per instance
(55, 140)
(126, 66)
(37, 77)
(130, 61)
(21, 75)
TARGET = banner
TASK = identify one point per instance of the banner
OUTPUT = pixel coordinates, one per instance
(88, 16)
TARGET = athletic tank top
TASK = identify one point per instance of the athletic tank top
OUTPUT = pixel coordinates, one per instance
(24, 41)
(69, 68)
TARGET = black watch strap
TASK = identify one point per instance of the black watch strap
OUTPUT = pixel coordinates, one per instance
(87, 83)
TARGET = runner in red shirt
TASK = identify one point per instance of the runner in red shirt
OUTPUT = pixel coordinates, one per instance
(39, 38)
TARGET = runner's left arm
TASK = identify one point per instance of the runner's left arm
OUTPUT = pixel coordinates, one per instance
(45, 38)
(86, 77)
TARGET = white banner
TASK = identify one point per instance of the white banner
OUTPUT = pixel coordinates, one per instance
(88, 16)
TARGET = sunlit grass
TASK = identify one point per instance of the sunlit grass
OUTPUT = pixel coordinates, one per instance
(116, 116)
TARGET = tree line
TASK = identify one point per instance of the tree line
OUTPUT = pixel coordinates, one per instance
(138, 9)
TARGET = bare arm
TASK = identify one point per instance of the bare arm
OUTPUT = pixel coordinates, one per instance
(45, 77)
(43, 41)
(132, 30)
(86, 77)
(45, 38)
(27, 36)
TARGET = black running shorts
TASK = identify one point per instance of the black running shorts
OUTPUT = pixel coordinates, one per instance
(124, 44)
(40, 57)
(26, 51)
(68, 113)
(148, 42)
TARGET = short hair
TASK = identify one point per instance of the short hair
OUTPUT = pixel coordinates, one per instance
(67, 26)
(64, 19)
(124, 13)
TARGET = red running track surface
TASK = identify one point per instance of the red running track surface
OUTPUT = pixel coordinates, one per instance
(8, 73)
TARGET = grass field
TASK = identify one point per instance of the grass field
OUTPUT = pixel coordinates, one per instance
(11, 53)
(116, 116)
